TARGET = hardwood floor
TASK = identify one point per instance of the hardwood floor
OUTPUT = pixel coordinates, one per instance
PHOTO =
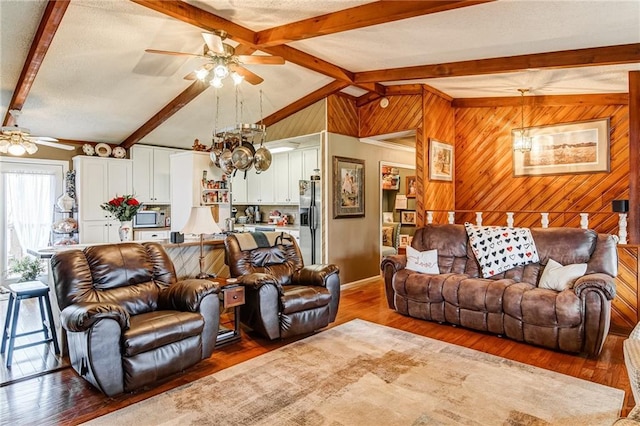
(63, 397)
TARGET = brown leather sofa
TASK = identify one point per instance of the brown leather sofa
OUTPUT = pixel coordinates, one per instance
(511, 304)
(129, 321)
(284, 298)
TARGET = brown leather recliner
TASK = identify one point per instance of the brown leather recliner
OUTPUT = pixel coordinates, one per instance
(129, 321)
(283, 297)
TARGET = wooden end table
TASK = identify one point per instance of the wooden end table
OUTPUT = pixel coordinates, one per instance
(231, 299)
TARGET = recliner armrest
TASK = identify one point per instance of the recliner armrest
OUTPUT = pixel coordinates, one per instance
(599, 281)
(81, 316)
(258, 279)
(314, 275)
(396, 262)
(186, 295)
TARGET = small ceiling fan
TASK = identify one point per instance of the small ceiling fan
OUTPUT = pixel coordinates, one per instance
(18, 140)
(222, 61)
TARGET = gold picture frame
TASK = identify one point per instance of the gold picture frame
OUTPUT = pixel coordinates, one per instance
(348, 187)
(440, 161)
(568, 148)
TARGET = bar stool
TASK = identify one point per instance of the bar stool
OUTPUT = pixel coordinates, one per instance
(19, 292)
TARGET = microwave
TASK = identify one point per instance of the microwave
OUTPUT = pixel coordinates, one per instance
(148, 219)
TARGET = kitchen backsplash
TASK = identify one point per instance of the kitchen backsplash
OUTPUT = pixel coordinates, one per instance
(290, 211)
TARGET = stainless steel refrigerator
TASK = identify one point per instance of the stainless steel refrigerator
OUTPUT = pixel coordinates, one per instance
(310, 221)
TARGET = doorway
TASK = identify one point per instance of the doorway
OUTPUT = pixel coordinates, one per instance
(397, 207)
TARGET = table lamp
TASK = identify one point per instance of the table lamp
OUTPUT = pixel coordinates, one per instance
(201, 222)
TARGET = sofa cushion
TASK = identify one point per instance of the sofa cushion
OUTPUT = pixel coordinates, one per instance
(479, 294)
(565, 245)
(542, 307)
(296, 298)
(387, 236)
(499, 249)
(422, 261)
(159, 328)
(557, 277)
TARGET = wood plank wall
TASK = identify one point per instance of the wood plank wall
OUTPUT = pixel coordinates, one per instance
(484, 173)
(342, 115)
(624, 308)
(438, 124)
(483, 169)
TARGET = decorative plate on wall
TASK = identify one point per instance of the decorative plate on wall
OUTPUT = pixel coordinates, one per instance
(87, 148)
(119, 152)
(103, 150)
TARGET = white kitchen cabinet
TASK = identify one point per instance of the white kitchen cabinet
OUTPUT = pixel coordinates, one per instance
(98, 180)
(99, 231)
(239, 189)
(150, 235)
(290, 168)
(151, 175)
(261, 187)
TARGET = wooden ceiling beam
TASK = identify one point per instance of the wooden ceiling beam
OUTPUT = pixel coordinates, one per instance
(304, 102)
(367, 98)
(190, 14)
(404, 89)
(547, 100)
(366, 15)
(609, 55)
(53, 14)
(187, 95)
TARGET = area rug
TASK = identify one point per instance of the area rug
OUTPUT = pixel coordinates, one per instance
(360, 373)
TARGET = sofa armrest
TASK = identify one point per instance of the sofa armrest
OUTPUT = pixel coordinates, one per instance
(314, 275)
(603, 282)
(186, 295)
(81, 316)
(257, 280)
(390, 265)
(396, 262)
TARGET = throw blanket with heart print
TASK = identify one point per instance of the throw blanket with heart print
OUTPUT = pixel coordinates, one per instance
(499, 249)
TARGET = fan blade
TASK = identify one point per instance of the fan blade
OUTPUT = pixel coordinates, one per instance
(168, 52)
(243, 49)
(37, 139)
(54, 144)
(191, 76)
(214, 42)
(261, 60)
(248, 75)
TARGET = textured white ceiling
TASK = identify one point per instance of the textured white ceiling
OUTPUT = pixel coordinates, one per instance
(97, 83)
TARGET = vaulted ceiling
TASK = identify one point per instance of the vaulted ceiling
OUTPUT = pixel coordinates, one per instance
(78, 70)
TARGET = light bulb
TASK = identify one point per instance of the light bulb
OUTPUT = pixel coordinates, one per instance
(216, 82)
(16, 149)
(201, 74)
(30, 147)
(237, 78)
(221, 71)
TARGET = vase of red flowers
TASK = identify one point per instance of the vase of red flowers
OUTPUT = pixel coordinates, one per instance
(124, 208)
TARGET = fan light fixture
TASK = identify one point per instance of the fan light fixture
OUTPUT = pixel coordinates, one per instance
(16, 144)
(521, 141)
(215, 74)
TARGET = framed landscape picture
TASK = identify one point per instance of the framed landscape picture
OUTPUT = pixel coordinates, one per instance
(348, 187)
(440, 161)
(581, 147)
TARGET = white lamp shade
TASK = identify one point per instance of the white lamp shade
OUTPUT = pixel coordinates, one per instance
(201, 222)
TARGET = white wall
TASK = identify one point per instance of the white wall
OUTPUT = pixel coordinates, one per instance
(353, 244)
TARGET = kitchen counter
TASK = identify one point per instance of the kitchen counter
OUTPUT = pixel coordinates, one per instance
(48, 252)
(252, 226)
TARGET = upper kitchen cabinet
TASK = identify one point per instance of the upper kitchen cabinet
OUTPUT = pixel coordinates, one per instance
(290, 168)
(98, 180)
(261, 186)
(151, 176)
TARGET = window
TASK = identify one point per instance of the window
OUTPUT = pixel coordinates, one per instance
(28, 190)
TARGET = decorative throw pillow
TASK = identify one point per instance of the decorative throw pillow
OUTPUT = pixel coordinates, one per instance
(499, 249)
(558, 277)
(387, 236)
(422, 261)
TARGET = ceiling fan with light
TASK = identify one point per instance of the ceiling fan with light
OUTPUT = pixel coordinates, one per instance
(222, 61)
(18, 140)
